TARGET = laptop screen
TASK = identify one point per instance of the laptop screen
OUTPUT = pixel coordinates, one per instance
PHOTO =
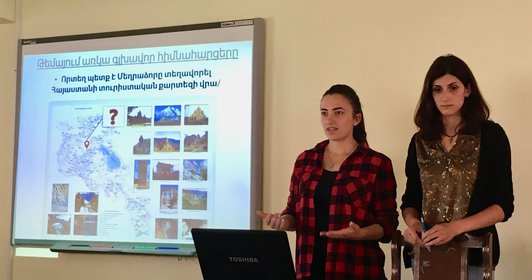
(243, 254)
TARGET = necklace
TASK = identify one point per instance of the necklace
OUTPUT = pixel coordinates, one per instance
(451, 137)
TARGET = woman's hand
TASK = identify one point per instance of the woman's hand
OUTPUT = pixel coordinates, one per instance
(440, 234)
(414, 229)
(355, 232)
(351, 232)
(411, 235)
(276, 221)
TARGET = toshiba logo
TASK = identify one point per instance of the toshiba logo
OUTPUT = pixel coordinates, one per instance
(244, 259)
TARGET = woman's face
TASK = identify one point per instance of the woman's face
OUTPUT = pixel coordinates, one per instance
(337, 117)
(449, 94)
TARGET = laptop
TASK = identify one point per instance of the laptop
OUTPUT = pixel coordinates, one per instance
(236, 254)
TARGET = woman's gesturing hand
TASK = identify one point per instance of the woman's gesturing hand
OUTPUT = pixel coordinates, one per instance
(276, 221)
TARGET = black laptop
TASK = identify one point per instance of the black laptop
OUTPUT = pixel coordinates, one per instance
(243, 254)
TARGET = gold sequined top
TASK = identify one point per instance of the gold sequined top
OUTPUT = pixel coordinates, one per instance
(447, 177)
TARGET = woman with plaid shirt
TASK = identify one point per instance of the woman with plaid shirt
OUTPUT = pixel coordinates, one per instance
(342, 200)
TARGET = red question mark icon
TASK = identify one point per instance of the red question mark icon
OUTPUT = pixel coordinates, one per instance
(113, 113)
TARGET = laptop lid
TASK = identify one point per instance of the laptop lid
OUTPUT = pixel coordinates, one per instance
(243, 254)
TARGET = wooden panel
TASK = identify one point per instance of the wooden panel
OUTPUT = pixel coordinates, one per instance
(440, 263)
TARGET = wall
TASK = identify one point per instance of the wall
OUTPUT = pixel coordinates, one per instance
(381, 48)
(8, 61)
(7, 11)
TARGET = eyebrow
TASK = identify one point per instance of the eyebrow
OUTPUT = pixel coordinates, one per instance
(453, 83)
(334, 109)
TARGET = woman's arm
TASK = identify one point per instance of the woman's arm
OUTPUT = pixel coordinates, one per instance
(503, 169)
(413, 226)
(443, 233)
(412, 198)
(385, 202)
(286, 220)
(355, 232)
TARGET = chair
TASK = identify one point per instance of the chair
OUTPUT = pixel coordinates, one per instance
(448, 261)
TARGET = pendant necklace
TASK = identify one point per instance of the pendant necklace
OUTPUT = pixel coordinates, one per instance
(451, 137)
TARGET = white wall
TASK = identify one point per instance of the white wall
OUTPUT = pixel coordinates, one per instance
(381, 48)
(7, 11)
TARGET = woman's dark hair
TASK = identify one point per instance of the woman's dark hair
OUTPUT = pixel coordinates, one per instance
(474, 112)
(359, 131)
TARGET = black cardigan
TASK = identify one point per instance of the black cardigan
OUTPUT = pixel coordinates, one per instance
(493, 185)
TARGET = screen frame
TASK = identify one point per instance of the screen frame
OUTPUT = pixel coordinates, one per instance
(257, 115)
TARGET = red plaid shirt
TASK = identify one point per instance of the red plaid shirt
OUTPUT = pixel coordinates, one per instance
(364, 192)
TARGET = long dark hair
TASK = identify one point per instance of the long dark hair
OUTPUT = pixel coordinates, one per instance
(474, 112)
(359, 131)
